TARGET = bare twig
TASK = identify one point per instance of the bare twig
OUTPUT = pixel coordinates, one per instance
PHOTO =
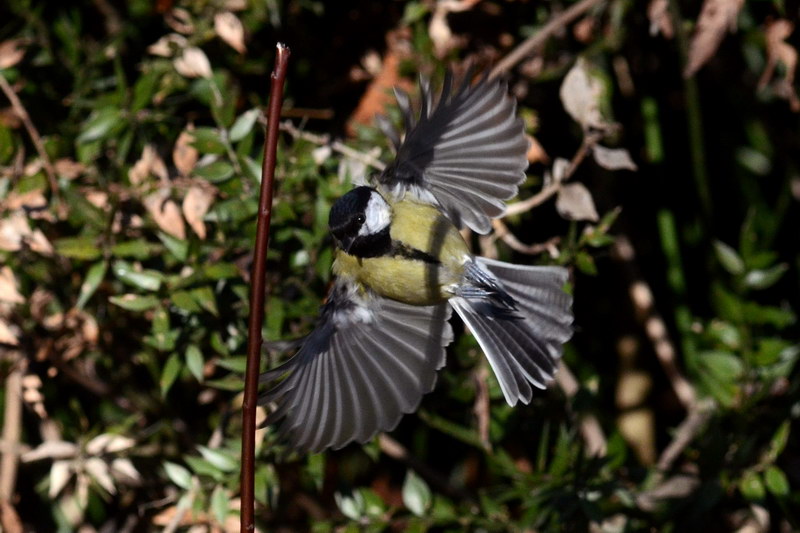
(656, 330)
(258, 288)
(12, 427)
(336, 146)
(502, 232)
(589, 140)
(596, 444)
(481, 407)
(22, 113)
(9, 519)
(181, 509)
(529, 45)
(685, 433)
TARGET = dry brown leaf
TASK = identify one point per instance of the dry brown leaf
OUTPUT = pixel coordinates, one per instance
(7, 336)
(165, 212)
(98, 469)
(69, 169)
(193, 63)
(60, 474)
(167, 45)
(580, 94)
(575, 202)
(779, 51)
(180, 20)
(11, 52)
(613, 158)
(378, 92)
(8, 287)
(229, 28)
(195, 206)
(584, 29)
(717, 17)
(13, 230)
(150, 163)
(31, 201)
(39, 243)
(99, 199)
(184, 155)
(235, 5)
(536, 153)
(438, 28)
(658, 13)
(9, 118)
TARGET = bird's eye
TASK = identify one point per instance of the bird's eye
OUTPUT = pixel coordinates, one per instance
(360, 218)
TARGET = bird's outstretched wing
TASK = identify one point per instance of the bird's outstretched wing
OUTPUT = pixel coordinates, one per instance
(467, 153)
(369, 361)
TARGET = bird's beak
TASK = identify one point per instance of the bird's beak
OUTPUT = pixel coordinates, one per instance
(346, 244)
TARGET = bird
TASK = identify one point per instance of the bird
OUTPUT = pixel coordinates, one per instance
(401, 266)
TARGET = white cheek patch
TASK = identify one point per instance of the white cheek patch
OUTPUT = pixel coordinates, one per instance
(378, 215)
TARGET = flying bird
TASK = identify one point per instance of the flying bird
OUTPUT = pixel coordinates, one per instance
(401, 266)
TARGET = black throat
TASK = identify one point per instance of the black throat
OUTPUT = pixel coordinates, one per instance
(381, 245)
(373, 245)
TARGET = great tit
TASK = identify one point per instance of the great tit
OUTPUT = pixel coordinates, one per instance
(401, 265)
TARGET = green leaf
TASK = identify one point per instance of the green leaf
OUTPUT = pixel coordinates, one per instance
(724, 365)
(374, 506)
(99, 125)
(416, 494)
(201, 467)
(220, 503)
(763, 279)
(205, 297)
(215, 172)
(144, 89)
(234, 364)
(414, 11)
(184, 300)
(135, 302)
(170, 373)
(138, 249)
(94, 277)
(221, 271)
(219, 458)
(194, 361)
(751, 486)
(208, 141)
(179, 475)
(585, 263)
(147, 280)
(78, 248)
(776, 481)
(177, 247)
(315, 467)
(244, 124)
(728, 258)
(351, 506)
(7, 147)
(778, 442)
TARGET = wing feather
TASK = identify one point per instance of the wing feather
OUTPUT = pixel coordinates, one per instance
(468, 152)
(369, 361)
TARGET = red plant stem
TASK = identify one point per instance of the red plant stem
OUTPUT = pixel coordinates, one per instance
(257, 292)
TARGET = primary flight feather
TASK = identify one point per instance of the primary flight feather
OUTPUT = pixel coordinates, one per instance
(401, 265)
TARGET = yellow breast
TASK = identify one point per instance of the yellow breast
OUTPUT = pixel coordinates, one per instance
(421, 227)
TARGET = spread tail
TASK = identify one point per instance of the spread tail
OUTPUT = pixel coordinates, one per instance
(521, 317)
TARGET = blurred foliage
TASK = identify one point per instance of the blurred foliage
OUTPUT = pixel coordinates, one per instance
(125, 258)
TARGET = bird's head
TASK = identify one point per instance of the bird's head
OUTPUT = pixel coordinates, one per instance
(360, 221)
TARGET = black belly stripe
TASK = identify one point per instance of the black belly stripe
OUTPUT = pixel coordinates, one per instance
(399, 249)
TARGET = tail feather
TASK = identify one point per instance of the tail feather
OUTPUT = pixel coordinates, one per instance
(520, 316)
